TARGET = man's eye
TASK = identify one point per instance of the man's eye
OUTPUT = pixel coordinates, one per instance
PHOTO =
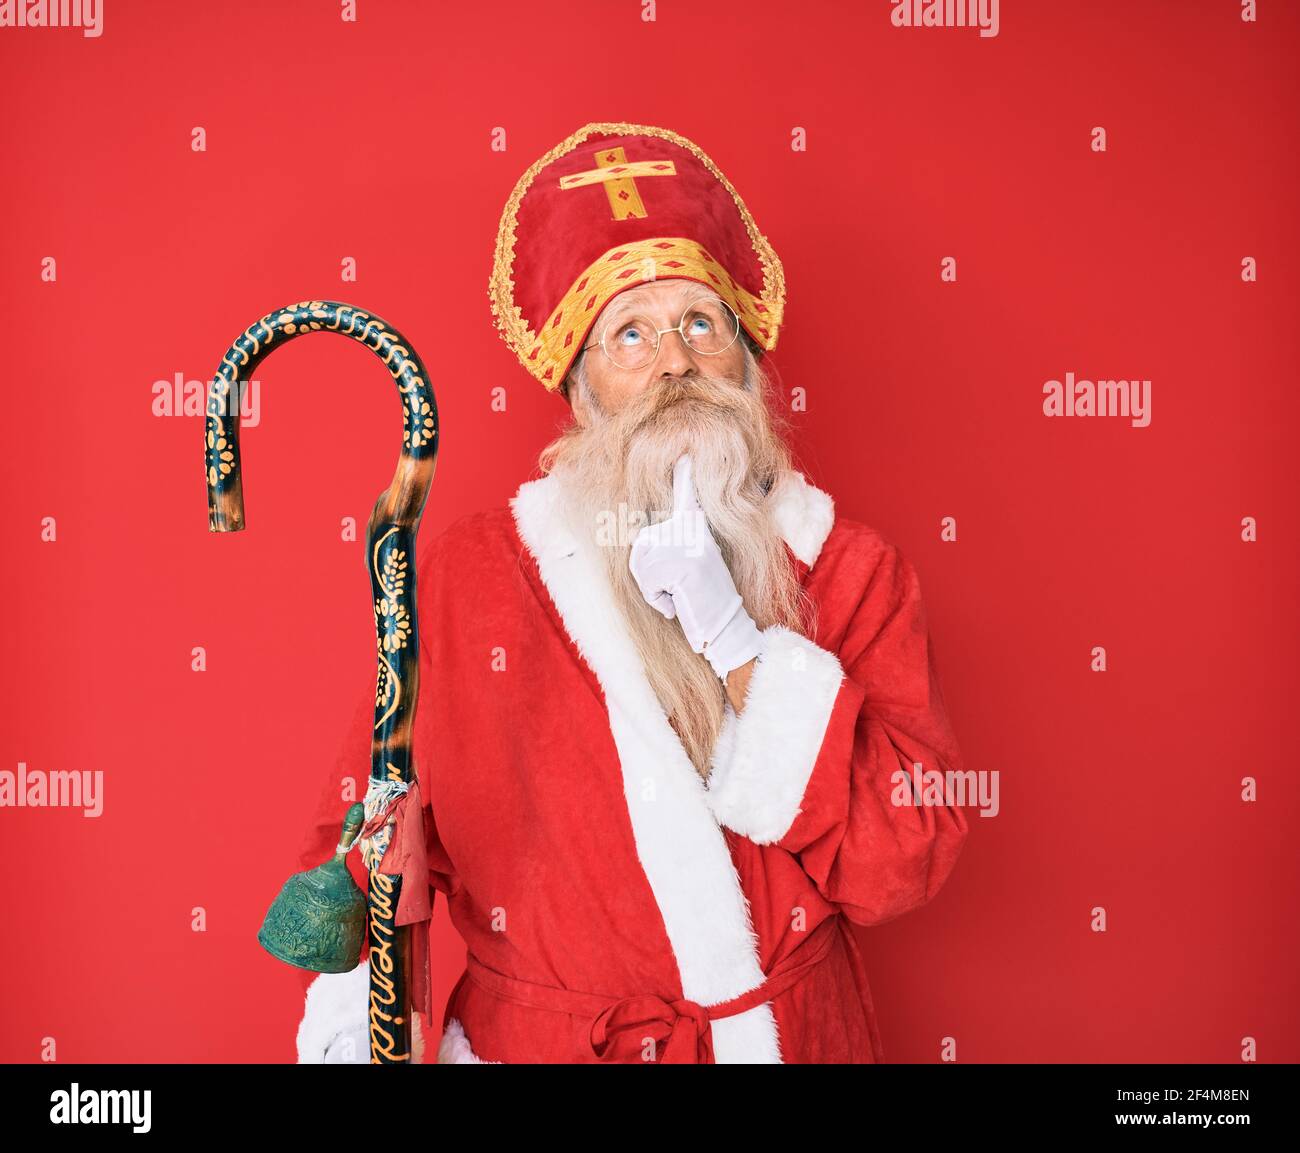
(629, 335)
(701, 325)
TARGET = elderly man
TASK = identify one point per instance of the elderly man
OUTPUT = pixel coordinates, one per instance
(672, 706)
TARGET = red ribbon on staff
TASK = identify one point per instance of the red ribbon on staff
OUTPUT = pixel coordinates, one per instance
(407, 855)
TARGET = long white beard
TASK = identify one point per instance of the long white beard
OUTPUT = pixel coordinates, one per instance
(619, 469)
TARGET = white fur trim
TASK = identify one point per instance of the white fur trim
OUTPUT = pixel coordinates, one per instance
(764, 757)
(681, 848)
(335, 1026)
(455, 1047)
(804, 514)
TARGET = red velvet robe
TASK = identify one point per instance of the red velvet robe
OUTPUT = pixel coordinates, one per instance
(606, 893)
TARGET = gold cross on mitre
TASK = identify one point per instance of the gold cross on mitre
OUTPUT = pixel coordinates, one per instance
(616, 173)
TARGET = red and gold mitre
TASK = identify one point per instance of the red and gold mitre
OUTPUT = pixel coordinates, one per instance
(611, 207)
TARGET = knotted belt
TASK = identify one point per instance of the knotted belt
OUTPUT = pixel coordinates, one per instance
(681, 1030)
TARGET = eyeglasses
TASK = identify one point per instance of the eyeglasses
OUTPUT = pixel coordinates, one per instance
(708, 327)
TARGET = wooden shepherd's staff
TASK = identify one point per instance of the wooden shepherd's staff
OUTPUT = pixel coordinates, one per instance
(390, 552)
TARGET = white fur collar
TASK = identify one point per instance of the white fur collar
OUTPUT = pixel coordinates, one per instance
(680, 845)
(804, 514)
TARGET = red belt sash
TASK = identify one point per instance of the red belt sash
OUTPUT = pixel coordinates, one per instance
(682, 1030)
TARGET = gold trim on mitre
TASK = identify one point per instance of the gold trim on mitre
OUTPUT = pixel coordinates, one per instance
(641, 262)
(547, 354)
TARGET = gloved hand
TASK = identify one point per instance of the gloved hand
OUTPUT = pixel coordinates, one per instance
(335, 1027)
(680, 571)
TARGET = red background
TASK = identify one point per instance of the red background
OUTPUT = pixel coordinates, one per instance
(372, 140)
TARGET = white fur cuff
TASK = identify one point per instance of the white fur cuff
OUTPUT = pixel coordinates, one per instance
(335, 1026)
(764, 757)
(456, 1049)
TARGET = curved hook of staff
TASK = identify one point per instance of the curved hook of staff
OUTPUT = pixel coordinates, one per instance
(390, 550)
(406, 495)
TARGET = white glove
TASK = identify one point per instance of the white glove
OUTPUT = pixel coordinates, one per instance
(680, 571)
(335, 1027)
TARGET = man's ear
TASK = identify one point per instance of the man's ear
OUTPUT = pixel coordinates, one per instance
(571, 392)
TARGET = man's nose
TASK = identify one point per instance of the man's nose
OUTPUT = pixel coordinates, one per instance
(675, 356)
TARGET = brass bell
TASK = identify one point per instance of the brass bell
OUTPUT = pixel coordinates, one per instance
(319, 919)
